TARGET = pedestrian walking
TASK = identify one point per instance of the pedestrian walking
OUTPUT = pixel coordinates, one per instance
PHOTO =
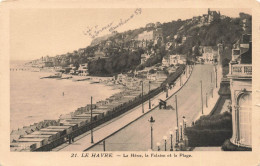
(72, 137)
(69, 138)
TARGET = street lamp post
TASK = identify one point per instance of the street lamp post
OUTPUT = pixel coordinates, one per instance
(177, 140)
(165, 142)
(181, 132)
(171, 133)
(151, 121)
(149, 97)
(158, 145)
(185, 123)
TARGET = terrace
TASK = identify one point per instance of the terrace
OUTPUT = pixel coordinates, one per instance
(242, 71)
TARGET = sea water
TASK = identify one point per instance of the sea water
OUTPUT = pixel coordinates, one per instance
(33, 99)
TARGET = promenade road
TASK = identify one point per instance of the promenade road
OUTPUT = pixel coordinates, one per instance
(166, 117)
(137, 135)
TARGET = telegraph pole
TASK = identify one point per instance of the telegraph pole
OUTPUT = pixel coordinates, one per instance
(91, 120)
(149, 97)
(216, 70)
(180, 80)
(177, 116)
(201, 97)
(211, 77)
(142, 97)
(186, 71)
(207, 100)
(167, 87)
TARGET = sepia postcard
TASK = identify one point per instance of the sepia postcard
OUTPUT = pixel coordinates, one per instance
(142, 83)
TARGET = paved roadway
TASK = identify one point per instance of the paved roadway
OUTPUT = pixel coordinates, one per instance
(137, 136)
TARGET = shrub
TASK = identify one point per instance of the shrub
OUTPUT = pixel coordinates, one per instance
(210, 130)
(207, 137)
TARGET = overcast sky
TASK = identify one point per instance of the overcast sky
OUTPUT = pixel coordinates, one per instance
(39, 32)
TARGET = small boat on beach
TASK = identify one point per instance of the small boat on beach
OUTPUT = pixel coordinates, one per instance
(81, 79)
(56, 75)
(68, 77)
(94, 82)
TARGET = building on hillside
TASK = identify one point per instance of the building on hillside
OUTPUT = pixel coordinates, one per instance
(244, 42)
(121, 78)
(213, 15)
(143, 43)
(195, 18)
(173, 60)
(204, 18)
(151, 76)
(133, 43)
(99, 54)
(209, 54)
(158, 34)
(155, 35)
(145, 36)
(144, 58)
(108, 43)
(150, 25)
(81, 51)
(166, 61)
(157, 24)
(246, 24)
(83, 69)
(169, 46)
(48, 64)
(240, 74)
(183, 39)
(161, 76)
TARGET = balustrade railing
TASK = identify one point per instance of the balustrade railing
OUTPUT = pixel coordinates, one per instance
(242, 69)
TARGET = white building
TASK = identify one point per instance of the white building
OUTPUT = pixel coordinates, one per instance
(83, 69)
(240, 74)
(209, 54)
(166, 61)
(173, 60)
(151, 77)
